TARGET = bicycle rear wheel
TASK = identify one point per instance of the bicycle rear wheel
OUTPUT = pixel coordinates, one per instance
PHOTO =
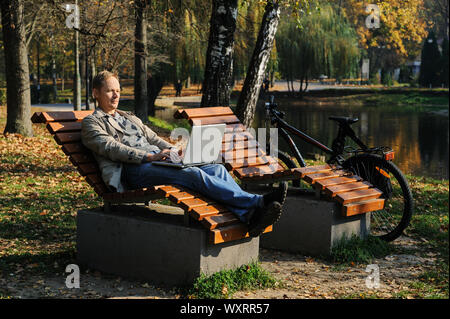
(388, 223)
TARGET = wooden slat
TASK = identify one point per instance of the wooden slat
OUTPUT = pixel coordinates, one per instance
(72, 148)
(358, 196)
(165, 191)
(36, 117)
(100, 189)
(192, 203)
(362, 207)
(200, 212)
(86, 169)
(220, 220)
(248, 162)
(238, 145)
(229, 233)
(314, 169)
(94, 179)
(202, 112)
(228, 119)
(58, 127)
(63, 138)
(236, 136)
(314, 177)
(177, 197)
(336, 181)
(81, 158)
(255, 171)
(61, 116)
(332, 191)
(237, 154)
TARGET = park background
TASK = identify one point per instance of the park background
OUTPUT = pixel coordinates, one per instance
(322, 58)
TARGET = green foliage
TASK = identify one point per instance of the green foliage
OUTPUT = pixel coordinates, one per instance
(325, 44)
(225, 283)
(169, 125)
(386, 77)
(430, 63)
(357, 250)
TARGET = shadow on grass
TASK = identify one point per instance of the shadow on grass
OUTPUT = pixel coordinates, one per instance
(37, 264)
(48, 218)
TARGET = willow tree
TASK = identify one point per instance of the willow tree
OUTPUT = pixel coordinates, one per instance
(246, 105)
(325, 43)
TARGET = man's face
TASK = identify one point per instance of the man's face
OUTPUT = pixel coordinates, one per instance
(108, 95)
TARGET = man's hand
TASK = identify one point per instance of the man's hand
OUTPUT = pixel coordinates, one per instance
(161, 156)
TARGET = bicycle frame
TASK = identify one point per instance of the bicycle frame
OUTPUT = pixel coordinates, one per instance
(338, 143)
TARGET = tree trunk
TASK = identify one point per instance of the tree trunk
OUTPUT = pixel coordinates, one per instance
(140, 61)
(155, 84)
(77, 78)
(217, 84)
(18, 98)
(93, 72)
(245, 109)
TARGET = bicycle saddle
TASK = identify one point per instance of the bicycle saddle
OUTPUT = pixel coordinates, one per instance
(344, 120)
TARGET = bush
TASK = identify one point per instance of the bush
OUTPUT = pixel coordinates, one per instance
(46, 92)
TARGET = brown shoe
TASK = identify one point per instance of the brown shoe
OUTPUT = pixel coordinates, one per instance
(264, 217)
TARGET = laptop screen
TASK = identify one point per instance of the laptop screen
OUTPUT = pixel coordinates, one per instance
(205, 144)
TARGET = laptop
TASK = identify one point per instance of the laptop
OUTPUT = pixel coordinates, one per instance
(203, 147)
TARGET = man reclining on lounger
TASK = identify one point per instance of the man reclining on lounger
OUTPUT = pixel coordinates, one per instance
(124, 148)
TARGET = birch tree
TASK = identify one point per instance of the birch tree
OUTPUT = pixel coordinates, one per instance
(245, 109)
(217, 83)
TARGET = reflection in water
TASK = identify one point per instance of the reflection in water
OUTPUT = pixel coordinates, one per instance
(420, 139)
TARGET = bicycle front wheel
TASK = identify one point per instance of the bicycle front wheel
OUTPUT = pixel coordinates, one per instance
(388, 223)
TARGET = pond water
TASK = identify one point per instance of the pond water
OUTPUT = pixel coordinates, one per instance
(418, 135)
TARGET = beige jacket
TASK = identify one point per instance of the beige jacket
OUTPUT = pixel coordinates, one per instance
(102, 135)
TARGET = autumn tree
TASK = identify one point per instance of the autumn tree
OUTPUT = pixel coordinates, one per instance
(16, 67)
(401, 30)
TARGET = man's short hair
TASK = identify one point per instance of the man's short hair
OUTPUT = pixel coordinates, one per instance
(101, 77)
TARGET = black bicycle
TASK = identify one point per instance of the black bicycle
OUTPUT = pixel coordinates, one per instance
(372, 164)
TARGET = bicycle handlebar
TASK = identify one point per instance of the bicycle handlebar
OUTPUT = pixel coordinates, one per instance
(271, 106)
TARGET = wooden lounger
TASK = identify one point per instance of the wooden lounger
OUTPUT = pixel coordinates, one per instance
(247, 160)
(223, 226)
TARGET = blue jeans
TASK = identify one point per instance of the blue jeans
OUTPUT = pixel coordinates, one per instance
(212, 181)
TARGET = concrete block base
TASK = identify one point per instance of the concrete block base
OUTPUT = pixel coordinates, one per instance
(312, 226)
(136, 242)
